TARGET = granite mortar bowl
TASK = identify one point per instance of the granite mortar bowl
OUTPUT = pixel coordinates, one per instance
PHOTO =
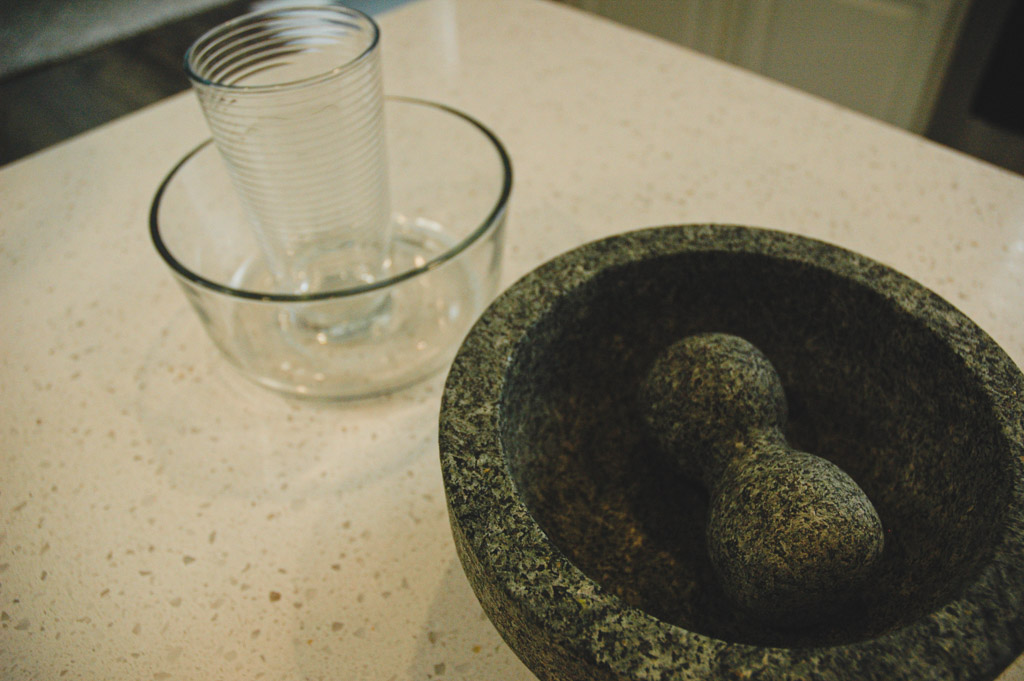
(588, 553)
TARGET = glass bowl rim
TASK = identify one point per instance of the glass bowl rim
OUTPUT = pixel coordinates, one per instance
(493, 217)
(252, 18)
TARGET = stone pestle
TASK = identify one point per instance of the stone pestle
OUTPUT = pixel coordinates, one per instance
(791, 536)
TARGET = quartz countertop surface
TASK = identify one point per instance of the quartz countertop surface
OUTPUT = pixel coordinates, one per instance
(162, 518)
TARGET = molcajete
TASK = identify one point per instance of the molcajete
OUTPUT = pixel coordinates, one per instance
(588, 552)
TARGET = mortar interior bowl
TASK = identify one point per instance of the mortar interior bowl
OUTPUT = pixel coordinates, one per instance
(588, 552)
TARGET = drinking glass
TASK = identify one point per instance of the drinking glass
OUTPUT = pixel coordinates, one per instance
(293, 99)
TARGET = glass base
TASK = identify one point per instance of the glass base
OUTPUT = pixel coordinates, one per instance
(363, 345)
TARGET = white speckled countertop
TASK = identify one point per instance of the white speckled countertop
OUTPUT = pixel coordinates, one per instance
(162, 518)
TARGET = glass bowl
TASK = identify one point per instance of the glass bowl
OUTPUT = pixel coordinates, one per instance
(450, 182)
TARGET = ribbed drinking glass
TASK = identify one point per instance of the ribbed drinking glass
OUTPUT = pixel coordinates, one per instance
(294, 100)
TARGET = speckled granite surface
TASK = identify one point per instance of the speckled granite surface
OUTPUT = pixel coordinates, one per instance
(587, 552)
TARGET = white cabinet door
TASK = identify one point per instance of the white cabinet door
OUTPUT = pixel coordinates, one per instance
(883, 57)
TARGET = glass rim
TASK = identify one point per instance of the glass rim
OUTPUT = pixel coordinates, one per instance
(493, 217)
(236, 23)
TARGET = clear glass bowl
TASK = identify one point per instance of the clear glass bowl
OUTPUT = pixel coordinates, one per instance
(450, 180)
